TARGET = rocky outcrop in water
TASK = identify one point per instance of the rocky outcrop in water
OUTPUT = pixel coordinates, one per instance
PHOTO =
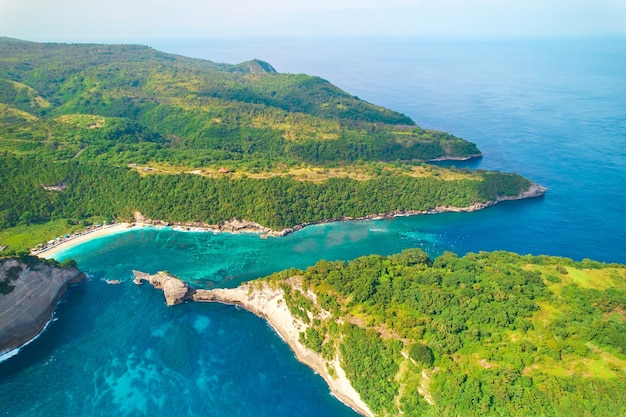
(174, 290)
(31, 290)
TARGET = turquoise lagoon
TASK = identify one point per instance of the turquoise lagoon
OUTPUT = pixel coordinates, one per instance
(553, 111)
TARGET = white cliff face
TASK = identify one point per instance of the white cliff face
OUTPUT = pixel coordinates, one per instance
(269, 303)
(28, 307)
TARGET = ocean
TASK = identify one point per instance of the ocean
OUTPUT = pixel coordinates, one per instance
(551, 110)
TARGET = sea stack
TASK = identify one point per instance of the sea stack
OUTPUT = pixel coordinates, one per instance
(174, 290)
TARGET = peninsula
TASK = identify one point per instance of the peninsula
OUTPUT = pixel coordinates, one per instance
(268, 303)
(483, 334)
(30, 289)
(96, 133)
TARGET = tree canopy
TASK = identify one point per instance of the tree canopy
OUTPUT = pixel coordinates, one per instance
(91, 131)
(487, 334)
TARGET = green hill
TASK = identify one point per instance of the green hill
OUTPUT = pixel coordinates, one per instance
(97, 132)
(488, 334)
(207, 112)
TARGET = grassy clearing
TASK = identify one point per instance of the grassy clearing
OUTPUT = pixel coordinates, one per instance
(299, 127)
(359, 172)
(547, 312)
(600, 279)
(82, 120)
(25, 237)
(606, 366)
(36, 101)
(7, 111)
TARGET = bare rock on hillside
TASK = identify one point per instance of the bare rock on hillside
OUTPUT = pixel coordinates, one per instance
(32, 289)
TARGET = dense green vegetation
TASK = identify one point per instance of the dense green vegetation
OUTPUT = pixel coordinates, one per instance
(108, 192)
(487, 334)
(98, 132)
(153, 106)
(85, 131)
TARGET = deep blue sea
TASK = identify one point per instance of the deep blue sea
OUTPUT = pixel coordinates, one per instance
(552, 110)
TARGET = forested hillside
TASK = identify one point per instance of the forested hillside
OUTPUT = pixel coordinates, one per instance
(488, 334)
(37, 190)
(160, 107)
(96, 132)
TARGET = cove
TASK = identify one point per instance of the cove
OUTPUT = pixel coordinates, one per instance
(552, 111)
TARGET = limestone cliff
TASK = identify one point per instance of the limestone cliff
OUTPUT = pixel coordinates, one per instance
(174, 290)
(32, 289)
(269, 303)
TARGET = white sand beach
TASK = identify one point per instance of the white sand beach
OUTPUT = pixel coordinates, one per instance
(76, 239)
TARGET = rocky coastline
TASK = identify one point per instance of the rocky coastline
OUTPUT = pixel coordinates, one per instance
(268, 303)
(32, 290)
(456, 158)
(175, 290)
(244, 226)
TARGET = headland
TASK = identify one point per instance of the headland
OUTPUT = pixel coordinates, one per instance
(268, 303)
(33, 288)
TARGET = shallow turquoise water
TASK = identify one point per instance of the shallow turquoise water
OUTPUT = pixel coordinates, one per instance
(553, 111)
(210, 259)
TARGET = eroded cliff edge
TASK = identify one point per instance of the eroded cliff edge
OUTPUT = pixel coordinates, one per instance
(31, 291)
(269, 303)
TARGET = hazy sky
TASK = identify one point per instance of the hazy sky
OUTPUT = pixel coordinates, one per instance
(111, 20)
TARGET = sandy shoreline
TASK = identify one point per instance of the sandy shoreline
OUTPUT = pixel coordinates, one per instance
(243, 226)
(81, 237)
(232, 226)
